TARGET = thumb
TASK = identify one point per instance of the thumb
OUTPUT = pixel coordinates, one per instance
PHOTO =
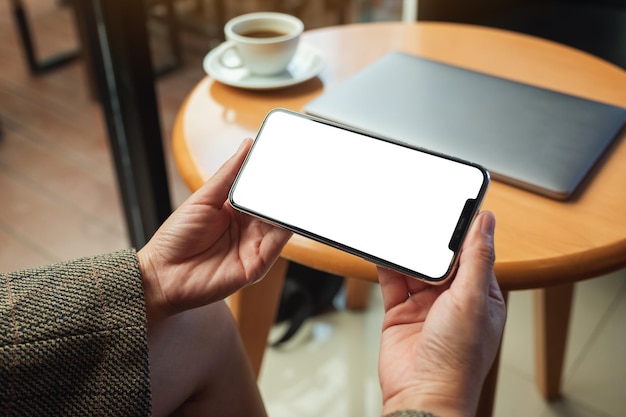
(215, 191)
(477, 256)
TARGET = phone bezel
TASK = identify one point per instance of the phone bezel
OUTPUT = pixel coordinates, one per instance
(364, 255)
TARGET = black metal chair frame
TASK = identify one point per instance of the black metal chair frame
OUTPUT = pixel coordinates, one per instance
(36, 66)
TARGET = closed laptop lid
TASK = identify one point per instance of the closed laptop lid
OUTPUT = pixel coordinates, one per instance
(531, 137)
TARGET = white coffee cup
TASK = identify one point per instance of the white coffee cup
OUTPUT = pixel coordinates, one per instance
(265, 42)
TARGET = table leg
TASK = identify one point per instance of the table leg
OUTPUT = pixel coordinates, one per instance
(357, 294)
(552, 313)
(254, 309)
(488, 393)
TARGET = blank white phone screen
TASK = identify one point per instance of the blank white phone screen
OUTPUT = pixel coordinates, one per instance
(381, 199)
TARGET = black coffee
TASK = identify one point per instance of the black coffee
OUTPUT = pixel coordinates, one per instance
(263, 33)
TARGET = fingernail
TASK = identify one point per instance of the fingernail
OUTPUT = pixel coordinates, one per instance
(488, 223)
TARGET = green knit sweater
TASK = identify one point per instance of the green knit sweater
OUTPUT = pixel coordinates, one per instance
(73, 339)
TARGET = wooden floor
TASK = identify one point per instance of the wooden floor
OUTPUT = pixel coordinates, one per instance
(57, 184)
(58, 194)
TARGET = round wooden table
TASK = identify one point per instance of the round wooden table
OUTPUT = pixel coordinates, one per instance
(541, 243)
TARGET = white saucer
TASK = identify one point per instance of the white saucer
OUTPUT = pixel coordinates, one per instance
(306, 64)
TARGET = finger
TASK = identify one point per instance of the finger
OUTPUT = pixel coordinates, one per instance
(392, 287)
(273, 242)
(215, 190)
(396, 287)
(477, 256)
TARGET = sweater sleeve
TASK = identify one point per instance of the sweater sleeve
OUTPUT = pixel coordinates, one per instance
(73, 339)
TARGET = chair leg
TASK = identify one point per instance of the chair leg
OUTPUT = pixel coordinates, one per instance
(220, 17)
(254, 309)
(171, 21)
(552, 314)
(36, 66)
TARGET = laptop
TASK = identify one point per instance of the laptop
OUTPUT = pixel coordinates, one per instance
(537, 139)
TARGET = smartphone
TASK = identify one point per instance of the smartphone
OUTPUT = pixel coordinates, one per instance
(390, 203)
